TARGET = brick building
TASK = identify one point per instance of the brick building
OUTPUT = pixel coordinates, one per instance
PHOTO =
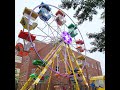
(26, 67)
(17, 65)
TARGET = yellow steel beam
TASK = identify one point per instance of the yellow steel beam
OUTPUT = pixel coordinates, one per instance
(45, 69)
(77, 86)
(48, 55)
(81, 72)
(30, 79)
(62, 58)
(50, 77)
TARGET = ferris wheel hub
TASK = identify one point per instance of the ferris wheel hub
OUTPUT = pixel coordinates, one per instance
(66, 37)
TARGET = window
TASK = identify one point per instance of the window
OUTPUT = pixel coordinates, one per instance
(79, 62)
(24, 74)
(16, 52)
(26, 61)
(22, 66)
(18, 59)
(99, 68)
(17, 72)
(88, 64)
(96, 67)
(89, 76)
(72, 58)
(57, 68)
(85, 75)
(48, 72)
(33, 70)
(92, 66)
(65, 70)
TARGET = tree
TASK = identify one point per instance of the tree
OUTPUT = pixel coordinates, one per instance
(99, 38)
(99, 41)
(85, 9)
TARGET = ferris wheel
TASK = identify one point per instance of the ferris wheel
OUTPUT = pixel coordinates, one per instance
(51, 25)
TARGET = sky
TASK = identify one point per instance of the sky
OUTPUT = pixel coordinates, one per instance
(86, 27)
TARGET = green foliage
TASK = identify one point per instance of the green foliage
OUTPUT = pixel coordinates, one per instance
(99, 41)
(85, 9)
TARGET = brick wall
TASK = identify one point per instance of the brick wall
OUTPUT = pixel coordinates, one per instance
(93, 68)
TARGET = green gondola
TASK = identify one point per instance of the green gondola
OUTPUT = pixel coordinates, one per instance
(39, 62)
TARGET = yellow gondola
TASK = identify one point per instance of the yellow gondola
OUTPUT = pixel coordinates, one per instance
(24, 22)
(27, 12)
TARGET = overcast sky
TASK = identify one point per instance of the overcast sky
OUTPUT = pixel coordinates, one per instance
(86, 27)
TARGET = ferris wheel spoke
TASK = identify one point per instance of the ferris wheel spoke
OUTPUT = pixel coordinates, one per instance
(53, 28)
(56, 23)
(66, 60)
(44, 33)
(74, 75)
(40, 35)
(47, 37)
(52, 32)
(65, 56)
(44, 37)
(53, 16)
(47, 25)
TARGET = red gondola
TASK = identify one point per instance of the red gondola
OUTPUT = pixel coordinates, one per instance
(22, 53)
(79, 42)
(60, 17)
(25, 35)
(78, 47)
(60, 12)
(19, 46)
(81, 50)
(31, 49)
